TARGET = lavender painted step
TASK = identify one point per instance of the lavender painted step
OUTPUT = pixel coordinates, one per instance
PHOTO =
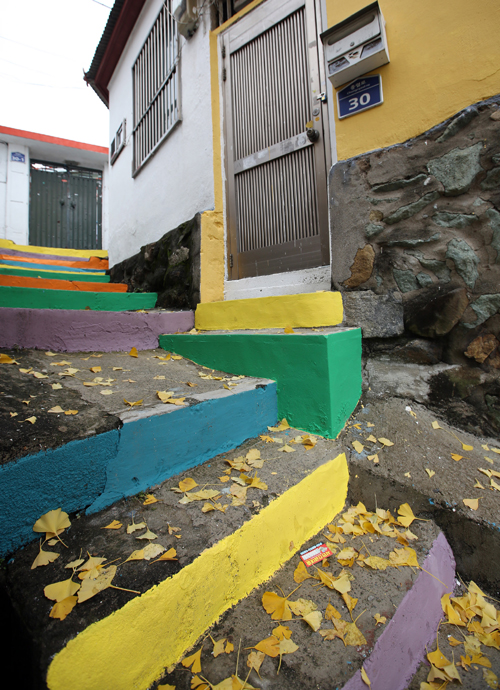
(63, 330)
(401, 647)
(41, 257)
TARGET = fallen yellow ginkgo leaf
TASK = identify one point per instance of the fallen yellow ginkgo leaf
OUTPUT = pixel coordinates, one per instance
(187, 484)
(31, 420)
(56, 386)
(358, 447)
(385, 442)
(63, 608)
(56, 410)
(95, 370)
(164, 396)
(431, 473)
(133, 404)
(113, 525)
(169, 555)
(135, 526)
(44, 558)
(194, 661)
(149, 500)
(133, 352)
(52, 523)
(60, 590)
(364, 677)
(5, 359)
(92, 586)
(70, 412)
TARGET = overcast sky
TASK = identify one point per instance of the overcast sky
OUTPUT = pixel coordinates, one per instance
(44, 47)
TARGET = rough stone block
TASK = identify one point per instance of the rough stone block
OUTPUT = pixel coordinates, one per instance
(465, 260)
(457, 169)
(378, 316)
(492, 179)
(411, 209)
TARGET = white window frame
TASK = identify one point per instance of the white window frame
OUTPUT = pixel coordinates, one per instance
(156, 92)
(118, 143)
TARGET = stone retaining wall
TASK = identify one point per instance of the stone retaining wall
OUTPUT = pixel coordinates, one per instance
(416, 252)
(170, 267)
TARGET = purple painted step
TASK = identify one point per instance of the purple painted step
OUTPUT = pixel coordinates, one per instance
(401, 647)
(41, 257)
(64, 330)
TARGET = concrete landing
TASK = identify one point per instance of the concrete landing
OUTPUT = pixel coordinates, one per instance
(64, 330)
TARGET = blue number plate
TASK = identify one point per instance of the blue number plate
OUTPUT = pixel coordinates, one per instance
(361, 94)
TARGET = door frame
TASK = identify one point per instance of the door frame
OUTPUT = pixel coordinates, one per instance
(264, 21)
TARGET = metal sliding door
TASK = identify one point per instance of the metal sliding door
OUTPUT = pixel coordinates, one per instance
(275, 153)
(65, 206)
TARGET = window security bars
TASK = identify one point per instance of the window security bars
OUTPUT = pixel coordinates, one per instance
(156, 87)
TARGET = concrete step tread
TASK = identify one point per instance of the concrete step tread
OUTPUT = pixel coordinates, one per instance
(198, 531)
(105, 447)
(401, 475)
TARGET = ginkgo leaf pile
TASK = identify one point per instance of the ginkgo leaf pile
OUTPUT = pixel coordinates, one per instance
(475, 622)
(238, 490)
(302, 612)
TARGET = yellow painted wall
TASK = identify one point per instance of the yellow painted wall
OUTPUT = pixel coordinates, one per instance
(445, 55)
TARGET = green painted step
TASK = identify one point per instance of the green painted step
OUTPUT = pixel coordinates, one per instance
(318, 375)
(55, 275)
(36, 298)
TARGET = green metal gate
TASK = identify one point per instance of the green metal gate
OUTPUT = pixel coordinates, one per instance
(65, 206)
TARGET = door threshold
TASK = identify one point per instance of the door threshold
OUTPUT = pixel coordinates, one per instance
(290, 283)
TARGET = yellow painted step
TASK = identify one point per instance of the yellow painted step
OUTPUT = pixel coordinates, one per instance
(131, 647)
(9, 244)
(306, 310)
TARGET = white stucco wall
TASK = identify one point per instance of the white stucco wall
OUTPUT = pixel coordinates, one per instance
(177, 182)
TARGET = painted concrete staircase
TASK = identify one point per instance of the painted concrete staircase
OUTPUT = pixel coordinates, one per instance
(62, 299)
(294, 340)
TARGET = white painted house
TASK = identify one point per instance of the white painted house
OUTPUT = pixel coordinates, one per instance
(52, 191)
(223, 113)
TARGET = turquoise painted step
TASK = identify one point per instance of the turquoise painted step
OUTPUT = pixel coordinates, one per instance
(33, 298)
(54, 275)
(318, 375)
(153, 444)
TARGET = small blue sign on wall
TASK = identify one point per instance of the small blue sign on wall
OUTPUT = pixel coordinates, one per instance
(361, 94)
(17, 157)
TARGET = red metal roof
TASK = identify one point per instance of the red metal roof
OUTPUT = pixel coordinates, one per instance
(52, 140)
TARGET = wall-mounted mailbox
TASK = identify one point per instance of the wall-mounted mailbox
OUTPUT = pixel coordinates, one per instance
(356, 46)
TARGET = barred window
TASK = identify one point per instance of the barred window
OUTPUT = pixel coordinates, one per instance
(156, 87)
